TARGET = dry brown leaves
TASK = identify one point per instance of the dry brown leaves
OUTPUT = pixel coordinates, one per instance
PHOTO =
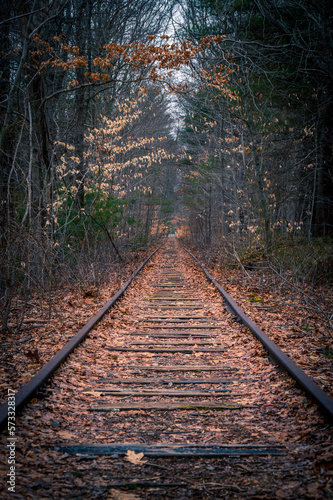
(276, 412)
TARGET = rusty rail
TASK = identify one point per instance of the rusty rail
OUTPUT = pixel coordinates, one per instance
(28, 390)
(319, 396)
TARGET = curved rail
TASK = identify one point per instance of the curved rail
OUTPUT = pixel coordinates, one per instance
(27, 391)
(319, 396)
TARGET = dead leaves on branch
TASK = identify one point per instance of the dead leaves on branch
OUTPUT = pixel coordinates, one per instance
(158, 55)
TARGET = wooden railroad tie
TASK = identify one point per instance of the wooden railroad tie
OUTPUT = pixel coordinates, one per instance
(163, 349)
(168, 381)
(162, 392)
(183, 368)
(181, 327)
(178, 344)
(170, 335)
(172, 451)
(166, 406)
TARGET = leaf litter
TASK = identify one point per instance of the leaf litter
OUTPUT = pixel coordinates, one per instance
(282, 416)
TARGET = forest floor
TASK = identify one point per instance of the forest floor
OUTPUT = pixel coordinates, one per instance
(51, 322)
(290, 318)
(281, 415)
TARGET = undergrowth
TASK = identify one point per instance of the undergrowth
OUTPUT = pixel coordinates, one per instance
(303, 261)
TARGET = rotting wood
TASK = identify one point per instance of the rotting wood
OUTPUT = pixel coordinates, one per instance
(179, 306)
(181, 327)
(168, 297)
(166, 307)
(171, 451)
(166, 406)
(146, 484)
(168, 381)
(183, 368)
(171, 299)
(181, 343)
(161, 392)
(168, 285)
(172, 321)
(163, 349)
(170, 334)
(175, 317)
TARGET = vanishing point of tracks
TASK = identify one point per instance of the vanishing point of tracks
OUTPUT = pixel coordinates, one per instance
(170, 374)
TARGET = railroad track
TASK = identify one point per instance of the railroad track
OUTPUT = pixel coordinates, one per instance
(172, 386)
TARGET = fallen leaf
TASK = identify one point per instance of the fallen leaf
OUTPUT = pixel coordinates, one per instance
(134, 458)
(122, 495)
(66, 435)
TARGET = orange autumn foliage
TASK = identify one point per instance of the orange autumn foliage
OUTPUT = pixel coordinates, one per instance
(157, 58)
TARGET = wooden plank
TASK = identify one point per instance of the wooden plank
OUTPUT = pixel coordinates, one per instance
(173, 295)
(162, 349)
(173, 273)
(168, 285)
(167, 276)
(165, 451)
(186, 329)
(172, 321)
(162, 392)
(181, 327)
(171, 280)
(166, 301)
(180, 381)
(181, 343)
(172, 299)
(174, 291)
(174, 308)
(174, 305)
(171, 335)
(175, 317)
(152, 305)
(169, 298)
(167, 406)
(142, 484)
(171, 288)
(183, 368)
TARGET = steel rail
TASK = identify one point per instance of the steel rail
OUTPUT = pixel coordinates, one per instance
(28, 390)
(324, 402)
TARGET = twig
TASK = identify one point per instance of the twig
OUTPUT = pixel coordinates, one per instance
(209, 439)
(108, 235)
(238, 259)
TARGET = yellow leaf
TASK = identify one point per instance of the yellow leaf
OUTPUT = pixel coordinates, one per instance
(134, 458)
